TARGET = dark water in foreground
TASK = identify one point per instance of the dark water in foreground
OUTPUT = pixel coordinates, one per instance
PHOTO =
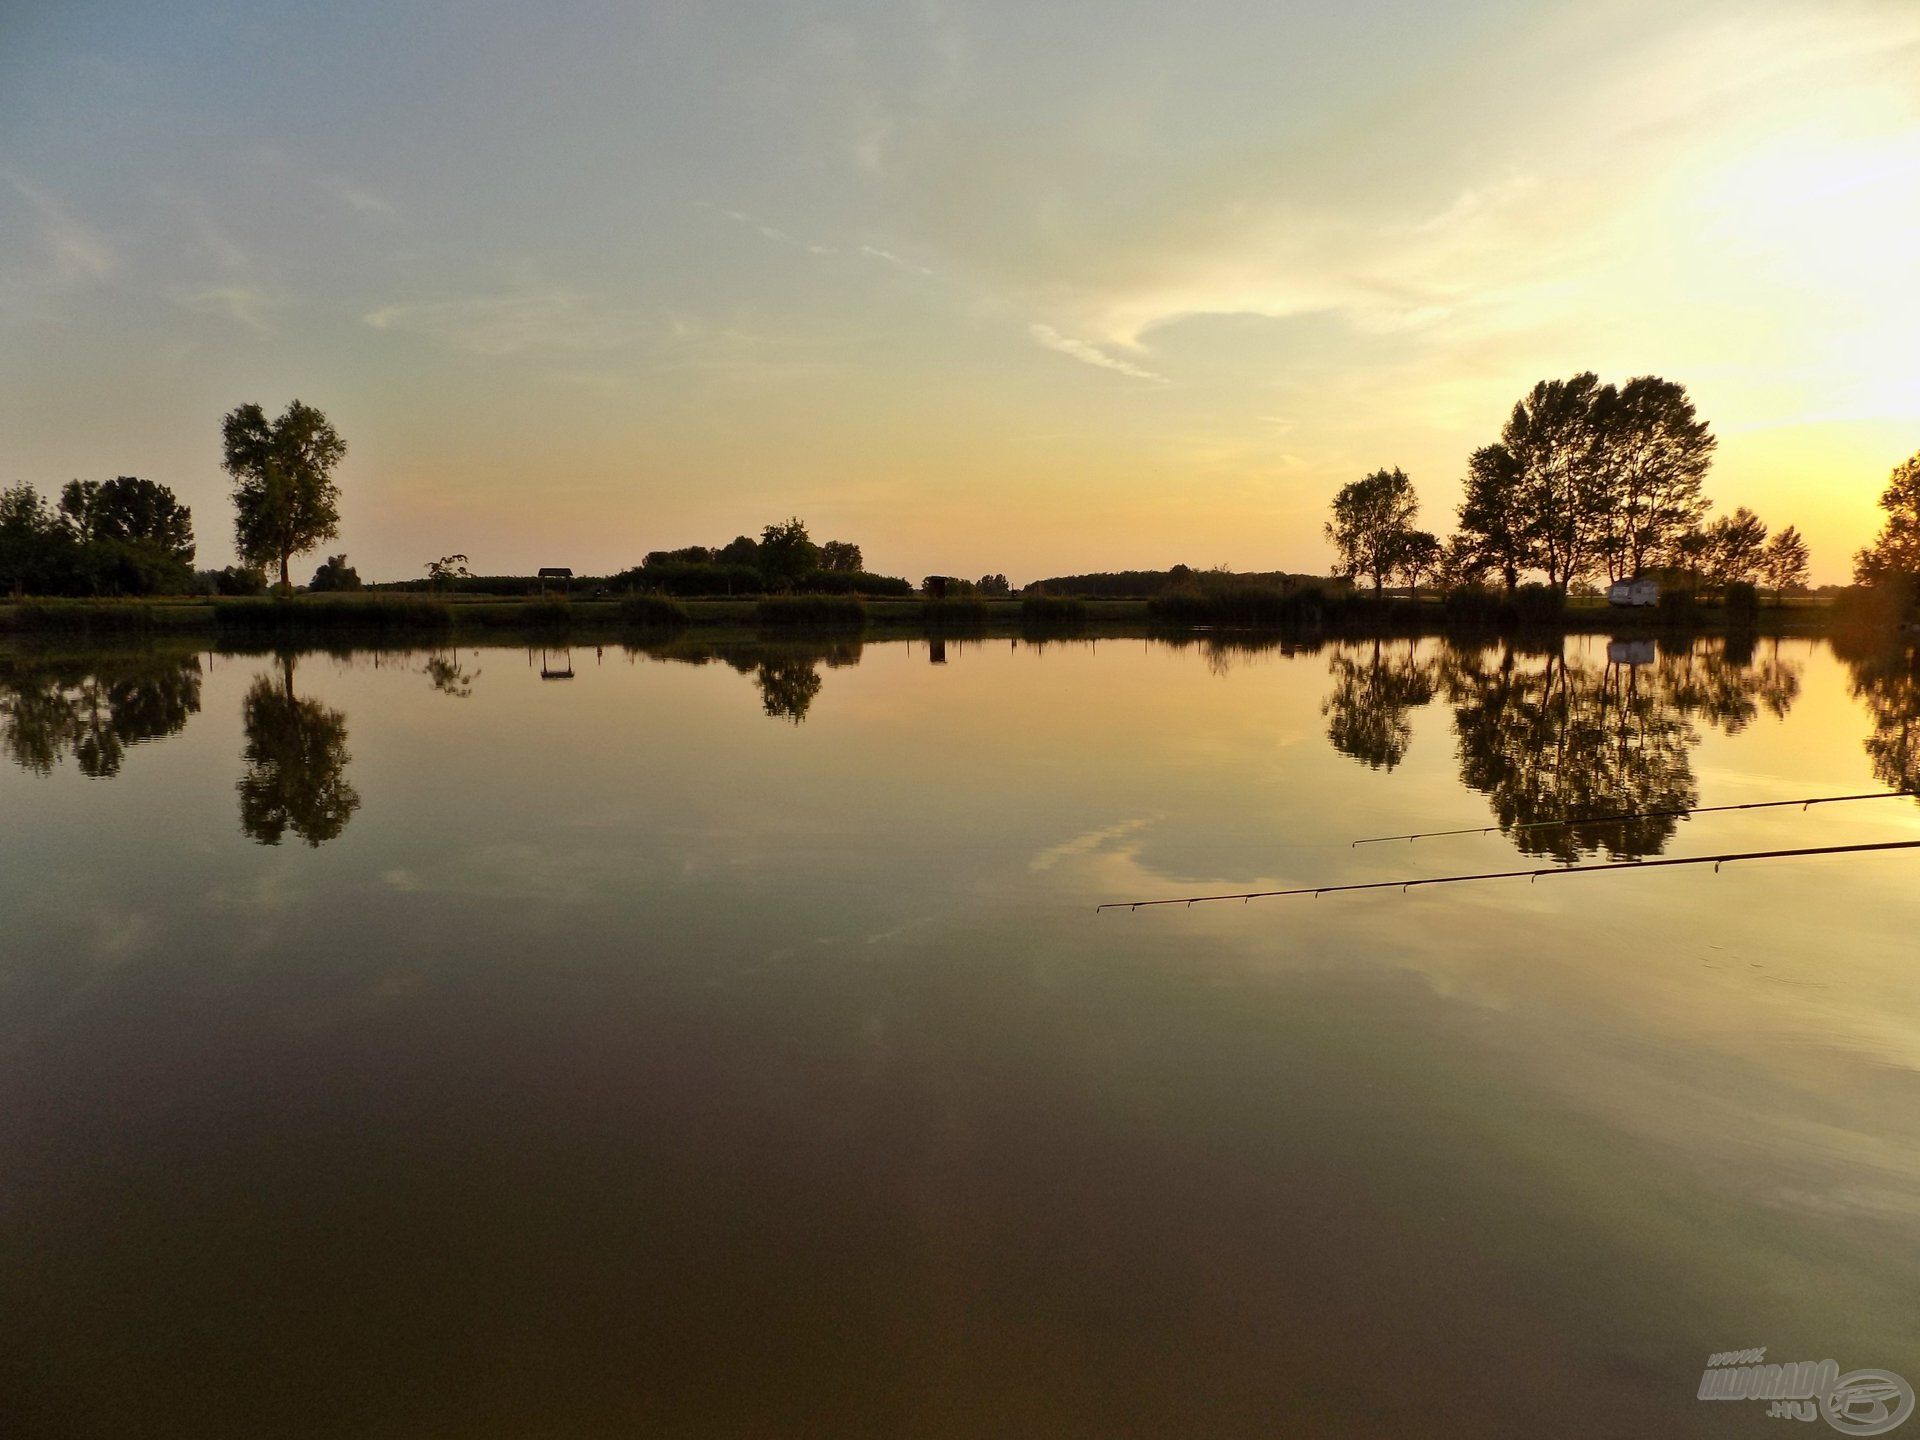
(723, 1042)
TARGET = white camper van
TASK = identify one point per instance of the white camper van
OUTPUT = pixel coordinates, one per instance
(1634, 592)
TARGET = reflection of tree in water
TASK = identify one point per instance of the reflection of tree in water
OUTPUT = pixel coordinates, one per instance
(445, 674)
(1728, 686)
(1372, 698)
(1554, 739)
(788, 684)
(1551, 737)
(93, 709)
(1886, 678)
(296, 758)
(786, 672)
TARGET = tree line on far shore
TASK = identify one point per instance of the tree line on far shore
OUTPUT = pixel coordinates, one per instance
(1588, 481)
(129, 536)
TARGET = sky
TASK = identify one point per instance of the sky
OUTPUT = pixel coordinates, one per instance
(984, 287)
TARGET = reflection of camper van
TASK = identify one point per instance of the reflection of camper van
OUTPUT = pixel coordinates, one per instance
(1630, 652)
(1634, 592)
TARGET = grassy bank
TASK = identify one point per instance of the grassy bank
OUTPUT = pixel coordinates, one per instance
(1229, 608)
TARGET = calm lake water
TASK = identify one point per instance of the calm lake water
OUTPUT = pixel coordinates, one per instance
(722, 1041)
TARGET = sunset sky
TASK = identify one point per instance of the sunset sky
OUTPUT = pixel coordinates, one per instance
(996, 286)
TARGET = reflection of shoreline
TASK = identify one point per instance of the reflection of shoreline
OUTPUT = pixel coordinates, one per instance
(1550, 736)
(786, 672)
(92, 708)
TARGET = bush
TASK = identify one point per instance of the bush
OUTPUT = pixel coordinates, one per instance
(1236, 606)
(543, 614)
(76, 615)
(1536, 604)
(1053, 610)
(330, 612)
(1742, 602)
(1474, 606)
(854, 582)
(654, 612)
(964, 611)
(839, 612)
(335, 575)
(234, 580)
(1677, 606)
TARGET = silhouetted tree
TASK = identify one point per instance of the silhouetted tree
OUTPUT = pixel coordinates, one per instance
(127, 510)
(335, 574)
(1372, 520)
(284, 496)
(1895, 555)
(1784, 562)
(840, 555)
(1420, 555)
(1493, 530)
(296, 760)
(447, 569)
(994, 585)
(786, 552)
(1735, 544)
(1654, 453)
(1554, 436)
(36, 553)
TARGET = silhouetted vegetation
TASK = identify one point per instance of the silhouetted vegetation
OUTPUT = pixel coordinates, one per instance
(652, 612)
(334, 612)
(1892, 562)
(964, 610)
(1589, 481)
(1042, 610)
(1239, 606)
(784, 559)
(124, 536)
(823, 611)
(1372, 530)
(335, 575)
(284, 498)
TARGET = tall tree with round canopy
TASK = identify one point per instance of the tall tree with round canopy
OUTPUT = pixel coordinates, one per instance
(285, 500)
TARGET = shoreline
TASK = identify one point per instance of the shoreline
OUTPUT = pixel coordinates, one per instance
(302, 616)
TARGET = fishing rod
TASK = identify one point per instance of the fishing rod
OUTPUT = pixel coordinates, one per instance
(1529, 875)
(1679, 812)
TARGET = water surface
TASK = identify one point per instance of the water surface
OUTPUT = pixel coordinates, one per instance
(719, 1039)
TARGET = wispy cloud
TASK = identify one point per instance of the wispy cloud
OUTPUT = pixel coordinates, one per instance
(874, 252)
(79, 253)
(529, 320)
(357, 197)
(1089, 354)
(248, 305)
